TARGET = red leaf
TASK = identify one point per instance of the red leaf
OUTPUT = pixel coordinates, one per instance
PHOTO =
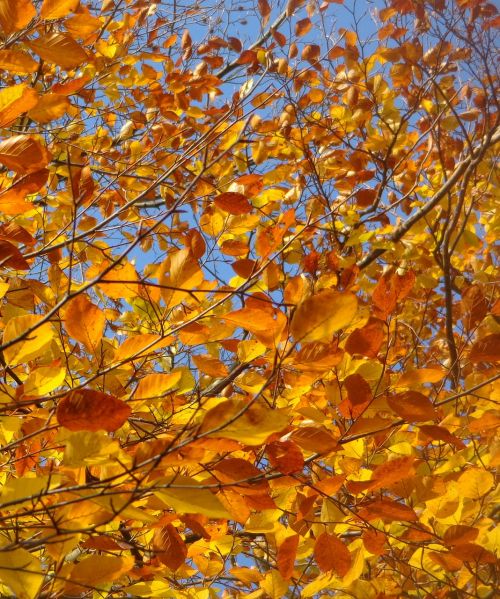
(367, 340)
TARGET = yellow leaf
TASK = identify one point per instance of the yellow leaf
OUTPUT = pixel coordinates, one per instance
(14, 101)
(84, 321)
(15, 14)
(154, 386)
(249, 349)
(97, 570)
(184, 275)
(22, 572)
(86, 448)
(249, 424)
(27, 488)
(55, 9)
(17, 62)
(190, 500)
(475, 482)
(140, 345)
(274, 585)
(49, 108)
(43, 380)
(126, 286)
(60, 49)
(321, 315)
(33, 345)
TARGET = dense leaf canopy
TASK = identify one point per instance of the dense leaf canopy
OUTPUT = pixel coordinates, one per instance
(248, 318)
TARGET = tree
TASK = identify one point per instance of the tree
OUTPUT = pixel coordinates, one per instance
(248, 298)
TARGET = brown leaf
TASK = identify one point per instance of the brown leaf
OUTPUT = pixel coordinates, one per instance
(169, 547)
(331, 554)
(90, 410)
(232, 202)
(287, 552)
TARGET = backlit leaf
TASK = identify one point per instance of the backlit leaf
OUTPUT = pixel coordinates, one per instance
(234, 203)
(34, 342)
(90, 410)
(321, 315)
(331, 554)
(84, 321)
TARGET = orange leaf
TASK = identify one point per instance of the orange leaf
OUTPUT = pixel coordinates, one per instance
(287, 552)
(439, 433)
(412, 406)
(211, 366)
(169, 547)
(60, 49)
(285, 456)
(49, 108)
(460, 534)
(84, 321)
(11, 257)
(374, 541)
(12, 199)
(486, 349)
(420, 376)
(24, 154)
(90, 410)
(331, 554)
(302, 27)
(232, 202)
(15, 14)
(359, 396)
(393, 471)
(264, 9)
(56, 9)
(16, 61)
(367, 340)
(14, 101)
(315, 439)
(388, 510)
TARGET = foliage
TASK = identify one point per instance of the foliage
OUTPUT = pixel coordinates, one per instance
(248, 298)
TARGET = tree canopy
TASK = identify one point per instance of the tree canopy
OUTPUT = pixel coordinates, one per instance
(249, 322)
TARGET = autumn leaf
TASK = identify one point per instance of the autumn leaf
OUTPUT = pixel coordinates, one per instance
(169, 547)
(330, 554)
(234, 203)
(89, 410)
(321, 315)
(84, 321)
